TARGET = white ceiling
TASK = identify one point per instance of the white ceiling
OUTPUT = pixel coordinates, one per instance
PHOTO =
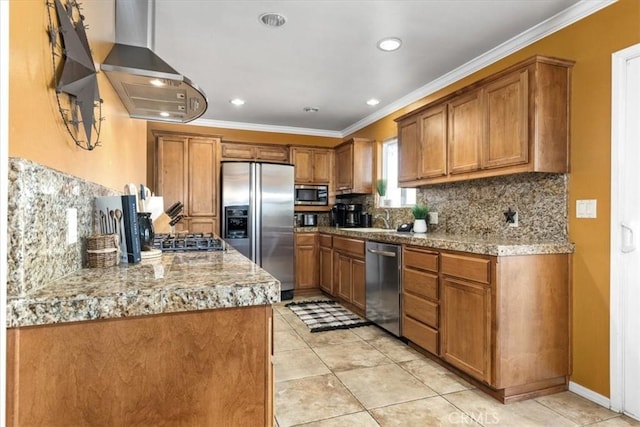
(326, 56)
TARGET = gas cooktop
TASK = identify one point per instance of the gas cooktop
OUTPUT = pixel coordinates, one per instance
(187, 242)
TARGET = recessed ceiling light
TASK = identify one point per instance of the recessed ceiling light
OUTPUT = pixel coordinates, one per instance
(164, 114)
(389, 44)
(272, 19)
(373, 102)
(156, 82)
(310, 109)
(237, 101)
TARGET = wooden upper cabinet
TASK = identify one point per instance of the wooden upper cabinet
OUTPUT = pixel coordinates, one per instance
(255, 152)
(203, 180)
(433, 142)
(354, 167)
(312, 165)
(465, 133)
(408, 150)
(514, 121)
(187, 171)
(171, 169)
(506, 121)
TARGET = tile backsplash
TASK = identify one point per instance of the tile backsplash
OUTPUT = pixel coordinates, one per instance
(38, 200)
(477, 207)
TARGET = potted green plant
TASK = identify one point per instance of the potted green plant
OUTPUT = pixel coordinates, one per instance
(381, 188)
(420, 213)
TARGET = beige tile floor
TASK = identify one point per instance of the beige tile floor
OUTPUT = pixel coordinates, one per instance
(365, 377)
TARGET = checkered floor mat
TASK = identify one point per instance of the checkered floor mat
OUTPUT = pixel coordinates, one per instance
(326, 315)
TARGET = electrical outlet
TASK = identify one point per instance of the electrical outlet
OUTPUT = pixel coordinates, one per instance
(433, 217)
(515, 220)
(586, 208)
(72, 226)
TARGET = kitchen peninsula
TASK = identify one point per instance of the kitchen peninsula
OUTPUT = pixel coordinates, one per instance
(185, 339)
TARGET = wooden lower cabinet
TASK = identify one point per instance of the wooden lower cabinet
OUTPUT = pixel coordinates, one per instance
(466, 327)
(503, 321)
(349, 271)
(325, 260)
(210, 367)
(306, 261)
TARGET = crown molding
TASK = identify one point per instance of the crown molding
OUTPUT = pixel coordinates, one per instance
(267, 128)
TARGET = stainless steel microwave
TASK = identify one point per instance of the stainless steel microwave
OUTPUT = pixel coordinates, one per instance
(311, 195)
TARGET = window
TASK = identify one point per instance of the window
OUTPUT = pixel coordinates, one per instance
(395, 197)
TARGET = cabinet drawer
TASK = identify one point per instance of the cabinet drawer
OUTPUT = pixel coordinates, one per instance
(476, 269)
(420, 334)
(305, 239)
(420, 283)
(351, 246)
(326, 240)
(421, 309)
(422, 259)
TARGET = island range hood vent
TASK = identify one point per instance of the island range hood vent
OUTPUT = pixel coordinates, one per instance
(148, 87)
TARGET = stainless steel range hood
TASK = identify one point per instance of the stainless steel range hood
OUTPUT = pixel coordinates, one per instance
(148, 87)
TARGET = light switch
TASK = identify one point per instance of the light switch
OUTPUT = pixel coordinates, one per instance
(72, 226)
(586, 208)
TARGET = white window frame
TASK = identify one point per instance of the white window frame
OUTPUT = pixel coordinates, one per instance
(399, 197)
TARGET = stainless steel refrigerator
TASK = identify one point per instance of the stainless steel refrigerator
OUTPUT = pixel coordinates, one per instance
(257, 216)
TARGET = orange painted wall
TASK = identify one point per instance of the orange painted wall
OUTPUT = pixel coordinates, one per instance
(590, 42)
(36, 129)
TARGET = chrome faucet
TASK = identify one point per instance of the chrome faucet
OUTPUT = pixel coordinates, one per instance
(385, 218)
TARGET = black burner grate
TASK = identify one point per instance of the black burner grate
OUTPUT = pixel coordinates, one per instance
(187, 242)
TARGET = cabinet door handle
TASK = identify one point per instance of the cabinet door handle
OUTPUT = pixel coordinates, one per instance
(628, 244)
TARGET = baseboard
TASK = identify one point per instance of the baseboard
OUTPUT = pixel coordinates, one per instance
(590, 394)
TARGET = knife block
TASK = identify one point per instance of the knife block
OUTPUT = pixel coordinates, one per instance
(161, 223)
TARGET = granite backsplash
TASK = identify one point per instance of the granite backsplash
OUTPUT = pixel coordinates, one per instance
(476, 207)
(38, 200)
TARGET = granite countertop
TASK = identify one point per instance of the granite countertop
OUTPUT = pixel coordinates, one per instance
(477, 245)
(174, 282)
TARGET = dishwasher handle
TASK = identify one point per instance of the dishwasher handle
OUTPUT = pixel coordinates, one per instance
(382, 253)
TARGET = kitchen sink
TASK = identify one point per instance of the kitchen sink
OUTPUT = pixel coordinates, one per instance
(370, 230)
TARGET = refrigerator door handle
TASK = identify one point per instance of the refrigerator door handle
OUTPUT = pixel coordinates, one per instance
(257, 223)
(382, 253)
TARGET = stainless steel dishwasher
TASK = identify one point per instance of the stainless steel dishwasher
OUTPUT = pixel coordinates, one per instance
(383, 285)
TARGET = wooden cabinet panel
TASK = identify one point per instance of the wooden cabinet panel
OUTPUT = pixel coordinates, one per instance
(257, 152)
(326, 270)
(514, 121)
(421, 309)
(306, 264)
(466, 327)
(343, 275)
(201, 225)
(433, 142)
(322, 166)
(408, 150)
(187, 171)
(465, 133)
(237, 151)
(326, 241)
(420, 283)
(353, 247)
(354, 167)
(420, 334)
(206, 368)
(312, 165)
(466, 267)
(275, 154)
(203, 178)
(171, 170)
(506, 121)
(420, 258)
(344, 168)
(358, 281)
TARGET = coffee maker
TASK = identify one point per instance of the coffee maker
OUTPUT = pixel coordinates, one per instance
(352, 217)
(339, 215)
